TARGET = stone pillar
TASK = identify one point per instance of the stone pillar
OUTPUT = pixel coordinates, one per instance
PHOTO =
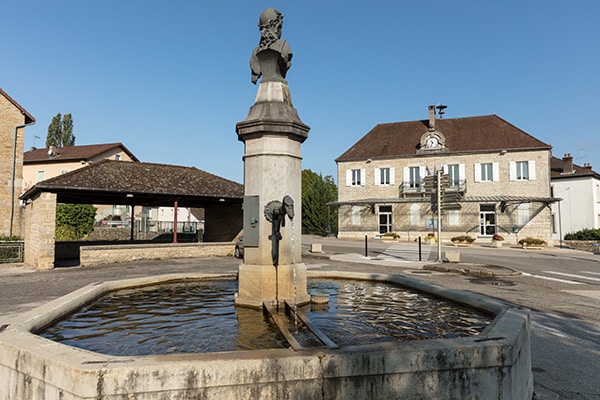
(40, 225)
(272, 134)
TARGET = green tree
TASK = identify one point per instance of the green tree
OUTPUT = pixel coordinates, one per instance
(60, 131)
(74, 221)
(317, 191)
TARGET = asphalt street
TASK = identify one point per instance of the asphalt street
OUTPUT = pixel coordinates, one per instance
(560, 286)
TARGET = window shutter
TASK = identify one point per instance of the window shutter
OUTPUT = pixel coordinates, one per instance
(348, 177)
(392, 177)
(495, 172)
(531, 170)
(377, 178)
(512, 174)
(461, 171)
(363, 177)
(445, 169)
(406, 174)
(421, 172)
(477, 172)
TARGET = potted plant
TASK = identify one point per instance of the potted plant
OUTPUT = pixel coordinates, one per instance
(430, 238)
(532, 243)
(462, 240)
(390, 236)
(497, 240)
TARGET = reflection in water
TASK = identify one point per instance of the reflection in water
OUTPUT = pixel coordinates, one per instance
(201, 317)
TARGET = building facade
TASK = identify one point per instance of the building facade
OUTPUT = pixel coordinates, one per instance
(579, 190)
(13, 119)
(497, 180)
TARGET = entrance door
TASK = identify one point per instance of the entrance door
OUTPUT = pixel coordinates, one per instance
(385, 219)
(487, 219)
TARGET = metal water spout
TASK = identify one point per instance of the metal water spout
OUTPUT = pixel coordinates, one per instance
(275, 212)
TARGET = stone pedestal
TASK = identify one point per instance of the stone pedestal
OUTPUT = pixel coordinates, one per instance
(272, 134)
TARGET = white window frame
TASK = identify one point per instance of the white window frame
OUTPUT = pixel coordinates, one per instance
(479, 175)
(355, 177)
(516, 170)
(384, 176)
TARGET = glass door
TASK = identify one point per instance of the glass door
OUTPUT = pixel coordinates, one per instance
(487, 219)
(385, 219)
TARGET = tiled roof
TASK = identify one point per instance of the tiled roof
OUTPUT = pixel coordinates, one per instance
(472, 134)
(120, 182)
(28, 117)
(557, 167)
(73, 153)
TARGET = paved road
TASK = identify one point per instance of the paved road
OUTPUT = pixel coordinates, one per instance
(565, 308)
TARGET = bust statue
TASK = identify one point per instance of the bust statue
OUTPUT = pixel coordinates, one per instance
(272, 58)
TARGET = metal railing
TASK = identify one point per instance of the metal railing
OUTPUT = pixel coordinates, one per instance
(11, 251)
(408, 188)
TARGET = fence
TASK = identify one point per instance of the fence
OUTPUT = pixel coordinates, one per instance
(11, 251)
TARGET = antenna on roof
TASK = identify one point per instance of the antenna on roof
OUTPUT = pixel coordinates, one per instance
(441, 110)
(34, 138)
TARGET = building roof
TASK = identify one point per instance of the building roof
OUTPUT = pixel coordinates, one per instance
(28, 117)
(471, 134)
(558, 169)
(72, 153)
(145, 184)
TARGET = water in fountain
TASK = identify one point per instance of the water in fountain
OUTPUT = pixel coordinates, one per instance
(201, 317)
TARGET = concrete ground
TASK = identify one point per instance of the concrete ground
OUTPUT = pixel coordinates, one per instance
(22, 288)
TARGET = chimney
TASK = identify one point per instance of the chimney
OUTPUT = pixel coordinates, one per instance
(431, 118)
(567, 163)
(587, 166)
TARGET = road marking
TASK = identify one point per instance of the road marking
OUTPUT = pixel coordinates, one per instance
(594, 294)
(573, 275)
(590, 272)
(549, 278)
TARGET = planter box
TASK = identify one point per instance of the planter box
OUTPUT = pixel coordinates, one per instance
(532, 247)
(496, 243)
(462, 244)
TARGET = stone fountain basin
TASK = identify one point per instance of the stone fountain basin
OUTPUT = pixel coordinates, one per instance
(493, 365)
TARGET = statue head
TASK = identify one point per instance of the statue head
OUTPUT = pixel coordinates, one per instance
(269, 24)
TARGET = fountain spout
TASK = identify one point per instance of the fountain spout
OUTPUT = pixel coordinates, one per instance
(275, 212)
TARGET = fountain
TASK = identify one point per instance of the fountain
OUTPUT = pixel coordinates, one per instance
(492, 364)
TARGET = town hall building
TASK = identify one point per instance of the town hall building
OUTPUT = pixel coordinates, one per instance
(497, 174)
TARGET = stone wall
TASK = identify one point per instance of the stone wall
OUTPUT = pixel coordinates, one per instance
(40, 223)
(10, 118)
(107, 254)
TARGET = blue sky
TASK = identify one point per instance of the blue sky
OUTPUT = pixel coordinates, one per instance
(170, 79)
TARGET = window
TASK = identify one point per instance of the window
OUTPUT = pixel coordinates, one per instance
(553, 223)
(355, 177)
(117, 157)
(523, 214)
(453, 175)
(384, 176)
(486, 172)
(356, 215)
(414, 177)
(40, 176)
(453, 217)
(385, 219)
(63, 171)
(415, 215)
(522, 170)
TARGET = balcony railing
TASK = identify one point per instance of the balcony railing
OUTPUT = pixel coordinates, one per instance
(411, 188)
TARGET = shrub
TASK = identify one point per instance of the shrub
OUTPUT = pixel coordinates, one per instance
(393, 235)
(584, 234)
(529, 241)
(497, 238)
(463, 238)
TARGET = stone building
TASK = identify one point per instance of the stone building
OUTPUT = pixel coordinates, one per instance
(498, 180)
(13, 120)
